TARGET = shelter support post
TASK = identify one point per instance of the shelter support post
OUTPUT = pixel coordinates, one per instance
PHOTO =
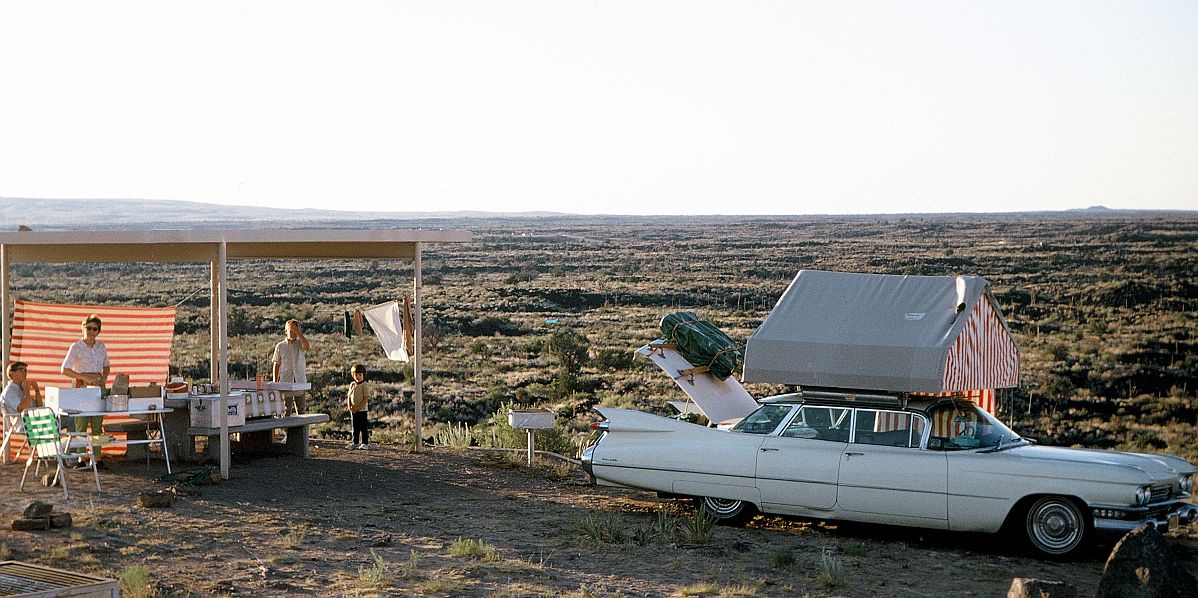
(223, 348)
(213, 330)
(418, 353)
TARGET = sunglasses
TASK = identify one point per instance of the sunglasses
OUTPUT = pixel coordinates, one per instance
(96, 328)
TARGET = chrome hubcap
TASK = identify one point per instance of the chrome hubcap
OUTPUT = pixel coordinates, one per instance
(721, 507)
(1055, 526)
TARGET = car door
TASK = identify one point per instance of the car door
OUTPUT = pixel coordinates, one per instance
(884, 472)
(797, 468)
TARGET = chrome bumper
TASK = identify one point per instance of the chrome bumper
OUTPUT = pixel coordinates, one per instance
(586, 461)
(1181, 514)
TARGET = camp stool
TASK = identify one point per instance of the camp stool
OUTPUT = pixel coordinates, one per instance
(47, 443)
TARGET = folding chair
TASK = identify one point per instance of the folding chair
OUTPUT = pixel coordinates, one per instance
(47, 443)
(13, 426)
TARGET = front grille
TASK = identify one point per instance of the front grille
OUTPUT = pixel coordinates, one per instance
(1161, 492)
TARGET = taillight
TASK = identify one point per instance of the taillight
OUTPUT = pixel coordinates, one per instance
(602, 426)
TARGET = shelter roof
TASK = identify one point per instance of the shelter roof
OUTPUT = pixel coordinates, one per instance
(201, 245)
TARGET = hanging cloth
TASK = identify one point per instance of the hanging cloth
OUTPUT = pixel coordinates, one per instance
(358, 327)
(408, 326)
(386, 320)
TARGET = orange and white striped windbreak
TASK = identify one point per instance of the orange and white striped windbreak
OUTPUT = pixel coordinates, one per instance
(138, 339)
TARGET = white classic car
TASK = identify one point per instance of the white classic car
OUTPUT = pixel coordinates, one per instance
(931, 463)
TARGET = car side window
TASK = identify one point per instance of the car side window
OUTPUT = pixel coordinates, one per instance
(819, 423)
(961, 426)
(887, 428)
(763, 421)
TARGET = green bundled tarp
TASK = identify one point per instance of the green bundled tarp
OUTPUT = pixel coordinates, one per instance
(701, 343)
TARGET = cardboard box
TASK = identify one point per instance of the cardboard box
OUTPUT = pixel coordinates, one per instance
(74, 399)
(263, 404)
(145, 392)
(204, 414)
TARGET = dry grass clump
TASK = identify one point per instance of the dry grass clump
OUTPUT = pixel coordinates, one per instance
(473, 549)
(440, 585)
(293, 536)
(377, 575)
(135, 582)
(831, 574)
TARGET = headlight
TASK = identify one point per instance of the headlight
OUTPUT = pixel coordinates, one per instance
(1187, 483)
(1143, 495)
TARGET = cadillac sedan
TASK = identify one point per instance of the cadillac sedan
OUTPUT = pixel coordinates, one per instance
(931, 463)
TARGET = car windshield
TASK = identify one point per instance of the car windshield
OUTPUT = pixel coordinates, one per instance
(764, 420)
(959, 425)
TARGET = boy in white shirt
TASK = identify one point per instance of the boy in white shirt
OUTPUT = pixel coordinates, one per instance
(289, 364)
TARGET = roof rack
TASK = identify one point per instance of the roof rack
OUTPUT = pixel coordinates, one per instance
(845, 396)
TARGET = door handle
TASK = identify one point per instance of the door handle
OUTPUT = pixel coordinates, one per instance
(768, 449)
(847, 455)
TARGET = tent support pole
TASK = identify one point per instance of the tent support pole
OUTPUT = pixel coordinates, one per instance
(6, 337)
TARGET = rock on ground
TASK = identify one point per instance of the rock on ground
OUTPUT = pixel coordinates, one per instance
(1142, 566)
(1027, 587)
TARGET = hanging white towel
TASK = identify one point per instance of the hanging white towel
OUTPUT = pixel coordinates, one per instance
(387, 321)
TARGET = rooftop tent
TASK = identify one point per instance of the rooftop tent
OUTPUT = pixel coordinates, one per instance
(926, 334)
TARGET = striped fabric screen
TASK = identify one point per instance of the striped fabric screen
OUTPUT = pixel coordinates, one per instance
(984, 355)
(138, 339)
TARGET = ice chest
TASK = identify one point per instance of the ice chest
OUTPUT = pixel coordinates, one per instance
(530, 419)
(204, 410)
(74, 399)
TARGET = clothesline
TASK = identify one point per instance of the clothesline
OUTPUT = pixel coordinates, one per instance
(332, 310)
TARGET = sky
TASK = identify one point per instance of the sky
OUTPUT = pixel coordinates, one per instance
(601, 106)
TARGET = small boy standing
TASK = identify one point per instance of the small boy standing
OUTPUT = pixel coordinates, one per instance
(359, 394)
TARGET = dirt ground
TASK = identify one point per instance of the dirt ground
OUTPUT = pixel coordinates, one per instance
(390, 522)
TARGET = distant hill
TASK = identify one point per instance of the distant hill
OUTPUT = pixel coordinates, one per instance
(59, 214)
(43, 214)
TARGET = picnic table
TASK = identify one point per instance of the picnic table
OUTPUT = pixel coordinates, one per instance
(255, 435)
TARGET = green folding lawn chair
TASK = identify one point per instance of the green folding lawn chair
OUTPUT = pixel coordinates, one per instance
(13, 427)
(49, 444)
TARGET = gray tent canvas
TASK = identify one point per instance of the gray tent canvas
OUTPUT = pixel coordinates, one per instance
(884, 332)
